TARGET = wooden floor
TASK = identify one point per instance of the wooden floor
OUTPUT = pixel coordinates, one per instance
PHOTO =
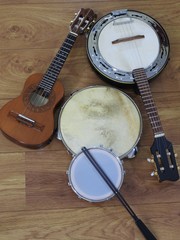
(35, 199)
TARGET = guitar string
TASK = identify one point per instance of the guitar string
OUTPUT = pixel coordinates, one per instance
(54, 67)
(42, 91)
(61, 57)
(28, 108)
(66, 56)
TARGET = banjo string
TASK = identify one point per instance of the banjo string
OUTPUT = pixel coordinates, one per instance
(135, 58)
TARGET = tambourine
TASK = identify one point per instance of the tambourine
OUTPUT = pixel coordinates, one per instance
(100, 115)
(124, 40)
(86, 182)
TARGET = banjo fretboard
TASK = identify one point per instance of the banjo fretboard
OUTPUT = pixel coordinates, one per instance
(145, 91)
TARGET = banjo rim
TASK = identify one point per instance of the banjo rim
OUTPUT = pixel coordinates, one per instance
(126, 77)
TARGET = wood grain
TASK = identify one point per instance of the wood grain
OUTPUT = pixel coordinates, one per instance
(35, 199)
(90, 223)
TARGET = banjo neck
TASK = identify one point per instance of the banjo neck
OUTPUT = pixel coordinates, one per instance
(145, 92)
(162, 150)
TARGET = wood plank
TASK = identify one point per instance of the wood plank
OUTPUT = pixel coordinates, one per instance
(12, 179)
(91, 223)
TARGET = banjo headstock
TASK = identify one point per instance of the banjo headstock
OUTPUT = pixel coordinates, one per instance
(164, 159)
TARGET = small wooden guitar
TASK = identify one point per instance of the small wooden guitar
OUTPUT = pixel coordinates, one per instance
(162, 149)
(29, 119)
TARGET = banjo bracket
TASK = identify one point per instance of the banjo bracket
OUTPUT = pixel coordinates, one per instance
(118, 13)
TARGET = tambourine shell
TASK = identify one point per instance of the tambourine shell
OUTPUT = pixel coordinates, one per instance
(100, 115)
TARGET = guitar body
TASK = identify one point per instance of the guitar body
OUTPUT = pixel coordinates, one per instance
(29, 119)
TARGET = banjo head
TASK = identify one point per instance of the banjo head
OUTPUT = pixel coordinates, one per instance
(124, 40)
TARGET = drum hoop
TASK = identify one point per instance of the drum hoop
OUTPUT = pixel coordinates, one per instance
(117, 75)
(59, 132)
(75, 190)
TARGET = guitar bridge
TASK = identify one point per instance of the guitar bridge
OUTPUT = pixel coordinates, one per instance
(26, 121)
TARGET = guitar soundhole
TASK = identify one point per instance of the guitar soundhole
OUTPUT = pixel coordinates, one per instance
(39, 98)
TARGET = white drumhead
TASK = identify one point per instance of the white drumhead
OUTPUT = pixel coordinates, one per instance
(128, 55)
(144, 44)
(87, 183)
(97, 116)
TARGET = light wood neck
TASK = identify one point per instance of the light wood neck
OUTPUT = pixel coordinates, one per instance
(145, 91)
(57, 63)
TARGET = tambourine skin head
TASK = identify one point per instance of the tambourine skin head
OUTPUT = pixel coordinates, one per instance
(100, 115)
(121, 41)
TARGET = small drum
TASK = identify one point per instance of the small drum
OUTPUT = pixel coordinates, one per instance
(87, 183)
(100, 115)
(124, 40)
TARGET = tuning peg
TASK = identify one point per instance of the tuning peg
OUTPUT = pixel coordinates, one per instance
(154, 173)
(87, 29)
(90, 25)
(175, 155)
(150, 160)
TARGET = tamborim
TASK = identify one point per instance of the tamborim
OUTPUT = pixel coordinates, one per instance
(87, 183)
(125, 40)
(100, 115)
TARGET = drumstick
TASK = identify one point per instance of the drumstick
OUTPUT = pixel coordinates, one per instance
(144, 230)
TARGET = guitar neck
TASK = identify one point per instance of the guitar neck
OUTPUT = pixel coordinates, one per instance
(145, 92)
(57, 63)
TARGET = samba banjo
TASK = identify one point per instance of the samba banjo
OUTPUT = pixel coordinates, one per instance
(125, 40)
(128, 47)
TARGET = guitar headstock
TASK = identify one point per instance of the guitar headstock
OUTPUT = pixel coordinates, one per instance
(83, 20)
(164, 159)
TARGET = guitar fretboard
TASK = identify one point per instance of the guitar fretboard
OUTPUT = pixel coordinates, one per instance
(57, 63)
(145, 91)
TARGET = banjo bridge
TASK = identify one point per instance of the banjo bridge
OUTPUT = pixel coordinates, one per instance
(126, 39)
